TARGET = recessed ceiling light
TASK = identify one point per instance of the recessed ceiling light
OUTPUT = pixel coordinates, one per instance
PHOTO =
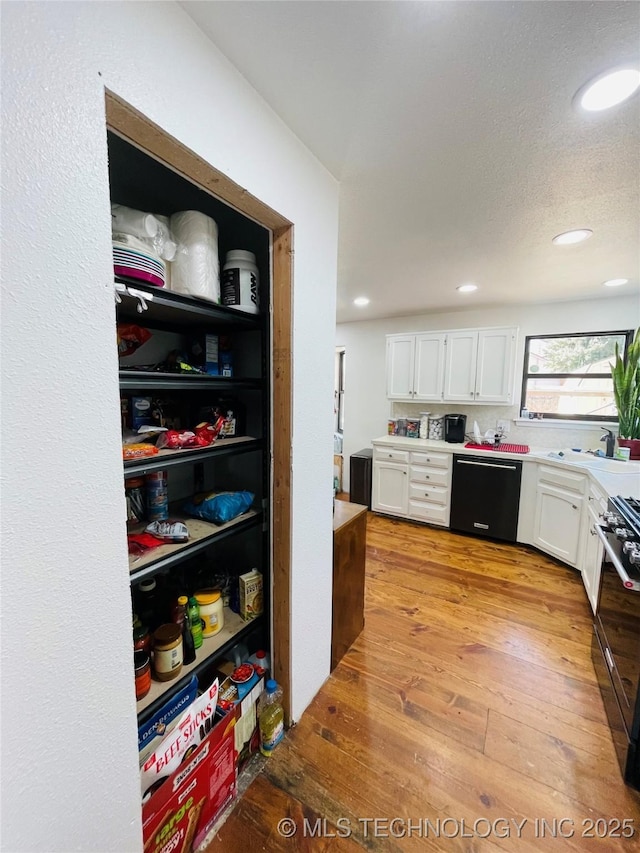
(608, 89)
(467, 288)
(570, 237)
(615, 282)
(361, 300)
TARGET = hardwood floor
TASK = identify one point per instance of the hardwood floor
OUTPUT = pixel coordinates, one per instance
(469, 701)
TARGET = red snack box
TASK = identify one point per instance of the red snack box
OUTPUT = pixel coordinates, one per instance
(179, 814)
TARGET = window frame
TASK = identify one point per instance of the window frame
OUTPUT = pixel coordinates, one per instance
(628, 338)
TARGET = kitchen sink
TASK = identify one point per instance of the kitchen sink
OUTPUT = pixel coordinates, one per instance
(601, 463)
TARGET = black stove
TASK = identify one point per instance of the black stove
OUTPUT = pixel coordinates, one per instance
(621, 524)
(616, 642)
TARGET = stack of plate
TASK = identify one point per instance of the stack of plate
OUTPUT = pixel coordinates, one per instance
(135, 263)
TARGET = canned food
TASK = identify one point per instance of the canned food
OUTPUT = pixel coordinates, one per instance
(157, 496)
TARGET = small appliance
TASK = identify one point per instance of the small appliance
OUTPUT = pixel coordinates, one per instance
(454, 428)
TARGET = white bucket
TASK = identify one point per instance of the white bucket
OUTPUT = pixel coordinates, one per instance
(240, 282)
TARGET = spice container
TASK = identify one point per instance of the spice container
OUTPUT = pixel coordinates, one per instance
(167, 652)
(392, 426)
(424, 424)
(142, 666)
(436, 427)
(211, 611)
(413, 428)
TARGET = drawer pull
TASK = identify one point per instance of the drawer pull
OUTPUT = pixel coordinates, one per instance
(426, 476)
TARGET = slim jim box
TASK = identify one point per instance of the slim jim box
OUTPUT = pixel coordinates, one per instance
(178, 816)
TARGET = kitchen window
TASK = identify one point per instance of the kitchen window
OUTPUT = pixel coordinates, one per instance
(569, 376)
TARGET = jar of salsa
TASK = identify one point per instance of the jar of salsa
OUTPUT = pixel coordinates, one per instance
(142, 666)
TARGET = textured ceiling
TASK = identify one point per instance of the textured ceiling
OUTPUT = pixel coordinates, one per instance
(451, 128)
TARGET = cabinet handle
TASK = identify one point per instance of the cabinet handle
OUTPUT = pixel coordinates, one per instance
(471, 393)
(592, 532)
(405, 473)
(573, 506)
(426, 476)
(390, 455)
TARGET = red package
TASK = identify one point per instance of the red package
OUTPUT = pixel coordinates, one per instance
(130, 338)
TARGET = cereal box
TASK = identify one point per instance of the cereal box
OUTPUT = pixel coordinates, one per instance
(251, 595)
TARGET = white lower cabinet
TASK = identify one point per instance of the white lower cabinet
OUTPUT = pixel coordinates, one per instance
(390, 490)
(593, 550)
(558, 524)
(420, 490)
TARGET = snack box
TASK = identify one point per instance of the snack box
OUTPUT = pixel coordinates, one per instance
(141, 412)
(244, 697)
(151, 732)
(212, 353)
(181, 812)
(251, 595)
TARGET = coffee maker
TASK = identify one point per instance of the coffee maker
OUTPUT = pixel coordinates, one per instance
(455, 427)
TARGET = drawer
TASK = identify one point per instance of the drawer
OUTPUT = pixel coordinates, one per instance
(432, 460)
(434, 494)
(597, 500)
(429, 476)
(574, 481)
(435, 513)
(388, 454)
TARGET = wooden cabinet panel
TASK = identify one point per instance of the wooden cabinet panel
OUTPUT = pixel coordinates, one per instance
(349, 553)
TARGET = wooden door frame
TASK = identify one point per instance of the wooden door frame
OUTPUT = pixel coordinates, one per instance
(131, 125)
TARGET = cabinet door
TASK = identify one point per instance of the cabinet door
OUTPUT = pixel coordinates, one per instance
(592, 563)
(557, 524)
(429, 367)
(400, 360)
(460, 366)
(390, 488)
(494, 371)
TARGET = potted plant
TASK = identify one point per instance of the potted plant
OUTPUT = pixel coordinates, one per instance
(626, 391)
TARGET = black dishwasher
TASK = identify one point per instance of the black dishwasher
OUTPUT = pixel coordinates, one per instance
(485, 496)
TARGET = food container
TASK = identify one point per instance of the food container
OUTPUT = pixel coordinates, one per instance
(402, 426)
(392, 426)
(167, 652)
(436, 430)
(211, 611)
(142, 666)
(413, 428)
(424, 424)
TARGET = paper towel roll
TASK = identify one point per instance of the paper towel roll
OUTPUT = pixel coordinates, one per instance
(196, 269)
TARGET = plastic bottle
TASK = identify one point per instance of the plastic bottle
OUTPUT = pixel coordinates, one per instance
(195, 622)
(240, 281)
(270, 717)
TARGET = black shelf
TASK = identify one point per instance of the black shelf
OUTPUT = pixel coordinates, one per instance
(167, 308)
(170, 458)
(207, 533)
(131, 380)
(211, 649)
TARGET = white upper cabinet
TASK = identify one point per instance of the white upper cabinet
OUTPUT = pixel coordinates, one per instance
(495, 366)
(460, 366)
(464, 366)
(415, 365)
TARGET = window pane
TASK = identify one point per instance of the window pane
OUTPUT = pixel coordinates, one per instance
(573, 354)
(576, 395)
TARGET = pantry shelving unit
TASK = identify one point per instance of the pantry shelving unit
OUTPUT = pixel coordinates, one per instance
(232, 463)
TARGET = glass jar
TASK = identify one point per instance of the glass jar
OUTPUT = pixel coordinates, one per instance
(402, 426)
(424, 424)
(142, 666)
(436, 432)
(211, 611)
(392, 426)
(167, 652)
(413, 428)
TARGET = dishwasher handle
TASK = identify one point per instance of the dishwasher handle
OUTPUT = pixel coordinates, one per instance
(486, 464)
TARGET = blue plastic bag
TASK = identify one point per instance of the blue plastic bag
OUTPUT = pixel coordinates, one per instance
(219, 507)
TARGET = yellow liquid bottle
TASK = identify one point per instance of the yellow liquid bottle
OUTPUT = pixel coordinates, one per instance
(271, 718)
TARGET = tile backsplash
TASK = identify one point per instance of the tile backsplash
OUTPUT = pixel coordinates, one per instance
(538, 435)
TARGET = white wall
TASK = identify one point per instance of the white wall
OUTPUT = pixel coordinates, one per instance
(367, 408)
(69, 745)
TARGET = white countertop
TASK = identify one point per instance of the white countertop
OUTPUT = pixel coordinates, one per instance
(625, 482)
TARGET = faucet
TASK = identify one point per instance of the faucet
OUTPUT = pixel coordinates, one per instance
(610, 438)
